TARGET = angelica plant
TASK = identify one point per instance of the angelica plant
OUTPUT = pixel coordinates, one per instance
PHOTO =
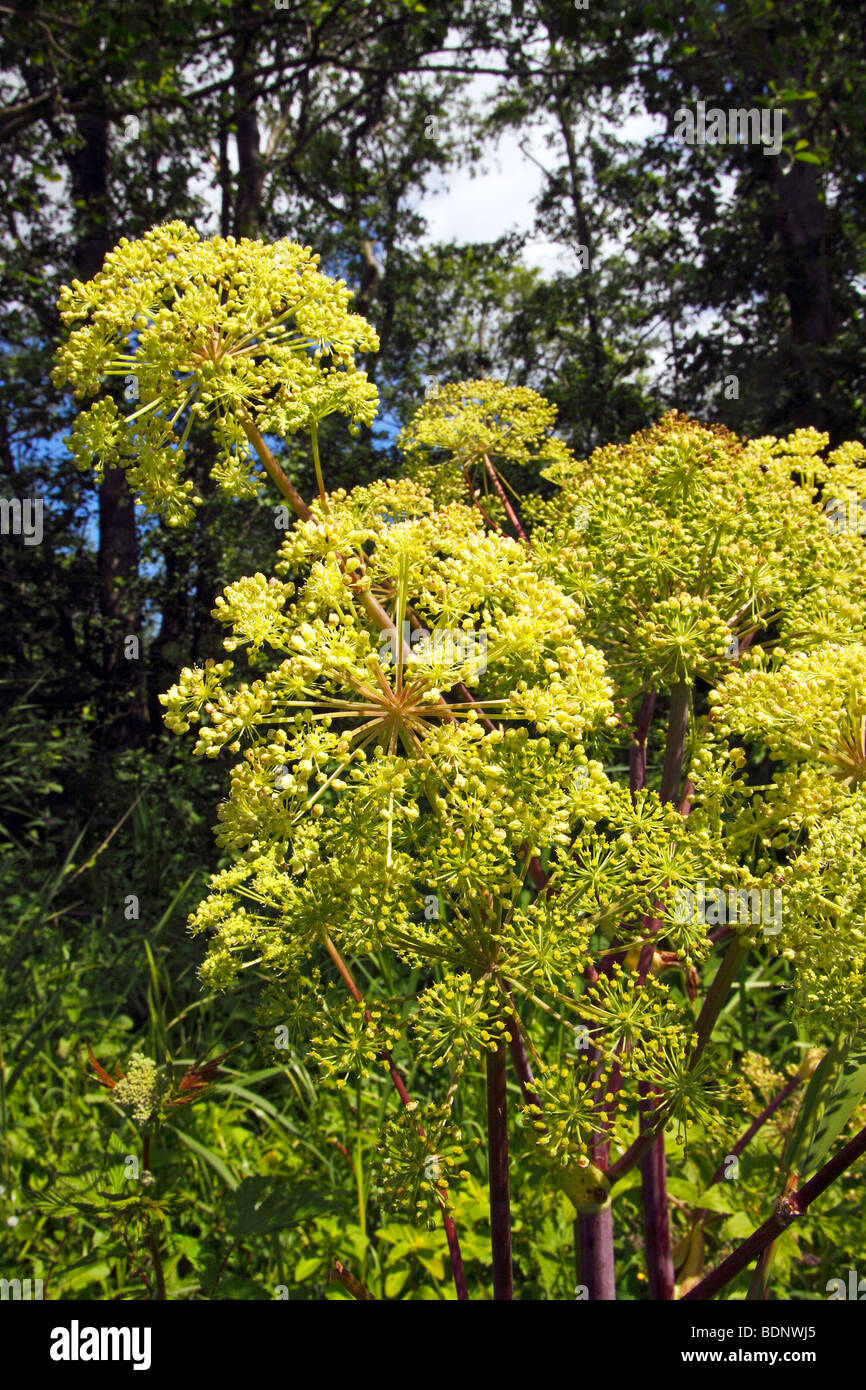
(424, 742)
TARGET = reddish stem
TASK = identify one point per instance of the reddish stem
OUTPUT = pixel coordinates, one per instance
(474, 495)
(509, 510)
(500, 1196)
(656, 1218)
(653, 1164)
(521, 1062)
(595, 1253)
(638, 751)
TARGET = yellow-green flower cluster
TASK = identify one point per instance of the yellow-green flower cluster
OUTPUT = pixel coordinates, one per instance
(221, 333)
(806, 828)
(685, 539)
(457, 1020)
(467, 422)
(353, 1041)
(420, 1152)
(575, 1105)
(806, 706)
(360, 785)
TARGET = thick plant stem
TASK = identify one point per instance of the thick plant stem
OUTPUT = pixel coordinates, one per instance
(717, 994)
(500, 1197)
(273, 469)
(521, 1063)
(595, 1260)
(653, 1164)
(509, 510)
(675, 747)
(637, 753)
(656, 1219)
(451, 1236)
(788, 1210)
(593, 1231)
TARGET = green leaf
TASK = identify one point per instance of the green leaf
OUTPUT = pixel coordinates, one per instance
(800, 1137)
(717, 1198)
(395, 1282)
(208, 1155)
(261, 1206)
(737, 1227)
(850, 1084)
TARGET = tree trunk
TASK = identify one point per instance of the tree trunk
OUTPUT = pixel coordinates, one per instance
(248, 205)
(123, 720)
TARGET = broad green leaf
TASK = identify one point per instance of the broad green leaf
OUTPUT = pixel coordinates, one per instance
(800, 1137)
(260, 1206)
(310, 1264)
(848, 1089)
(395, 1282)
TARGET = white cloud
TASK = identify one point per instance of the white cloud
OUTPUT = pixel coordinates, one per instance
(498, 199)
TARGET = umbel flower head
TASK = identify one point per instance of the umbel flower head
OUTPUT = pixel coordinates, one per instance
(470, 424)
(686, 541)
(232, 334)
(354, 764)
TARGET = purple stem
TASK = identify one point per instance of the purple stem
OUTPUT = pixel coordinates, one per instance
(656, 1221)
(521, 1062)
(653, 1165)
(675, 747)
(500, 1198)
(594, 1239)
(637, 754)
